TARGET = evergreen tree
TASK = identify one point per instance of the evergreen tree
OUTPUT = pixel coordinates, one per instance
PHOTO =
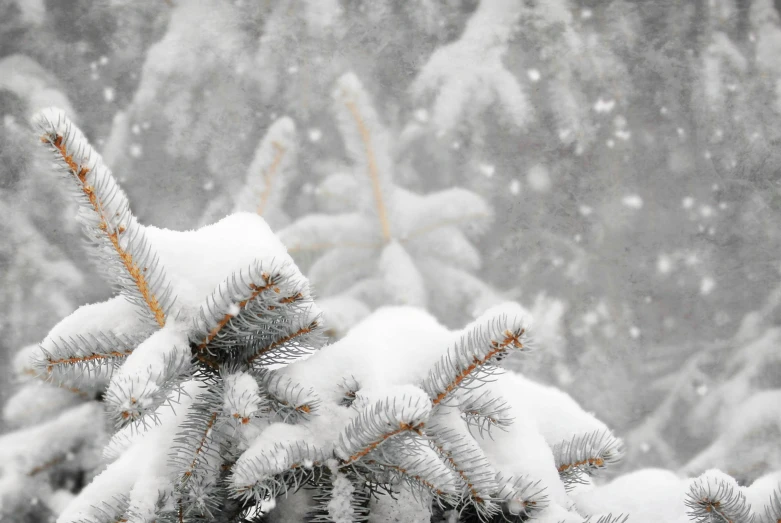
(392, 246)
(193, 364)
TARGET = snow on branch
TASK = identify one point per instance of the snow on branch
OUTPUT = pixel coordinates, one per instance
(148, 375)
(455, 206)
(457, 75)
(97, 355)
(124, 250)
(339, 498)
(242, 398)
(523, 497)
(717, 497)
(258, 305)
(586, 454)
(288, 399)
(317, 232)
(421, 470)
(272, 472)
(299, 337)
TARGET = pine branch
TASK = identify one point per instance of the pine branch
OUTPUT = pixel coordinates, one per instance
(300, 339)
(196, 452)
(452, 207)
(464, 456)
(484, 411)
(242, 398)
(712, 500)
(255, 307)
(276, 471)
(362, 119)
(467, 362)
(421, 471)
(273, 157)
(339, 497)
(290, 401)
(772, 509)
(268, 177)
(111, 224)
(94, 354)
(585, 455)
(523, 498)
(144, 382)
(379, 423)
(341, 230)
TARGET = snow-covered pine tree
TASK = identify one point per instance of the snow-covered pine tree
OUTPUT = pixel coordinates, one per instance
(192, 361)
(388, 245)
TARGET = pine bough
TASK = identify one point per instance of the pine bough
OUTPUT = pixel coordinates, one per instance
(223, 409)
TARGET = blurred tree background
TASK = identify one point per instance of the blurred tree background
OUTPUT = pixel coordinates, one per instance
(629, 152)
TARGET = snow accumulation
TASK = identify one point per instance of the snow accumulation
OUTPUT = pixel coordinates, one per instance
(387, 356)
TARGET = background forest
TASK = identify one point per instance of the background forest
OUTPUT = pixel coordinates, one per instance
(612, 165)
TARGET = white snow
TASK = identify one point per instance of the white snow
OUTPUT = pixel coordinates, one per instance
(231, 245)
(707, 284)
(403, 281)
(647, 495)
(461, 72)
(538, 178)
(633, 201)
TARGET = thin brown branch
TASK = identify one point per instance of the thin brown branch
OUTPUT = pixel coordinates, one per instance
(403, 427)
(300, 332)
(511, 338)
(458, 470)
(201, 443)
(374, 172)
(136, 273)
(270, 174)
(420, 479)
(83, 359)
(46, 466)
(256, 291)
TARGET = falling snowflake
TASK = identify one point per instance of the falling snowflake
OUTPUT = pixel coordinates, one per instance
(706, 285)
(538, 178)
(487, 170)
(604, 106)
(664, 264)
(421, 115)
(633, 201)
(135, 150)
(315, 134)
